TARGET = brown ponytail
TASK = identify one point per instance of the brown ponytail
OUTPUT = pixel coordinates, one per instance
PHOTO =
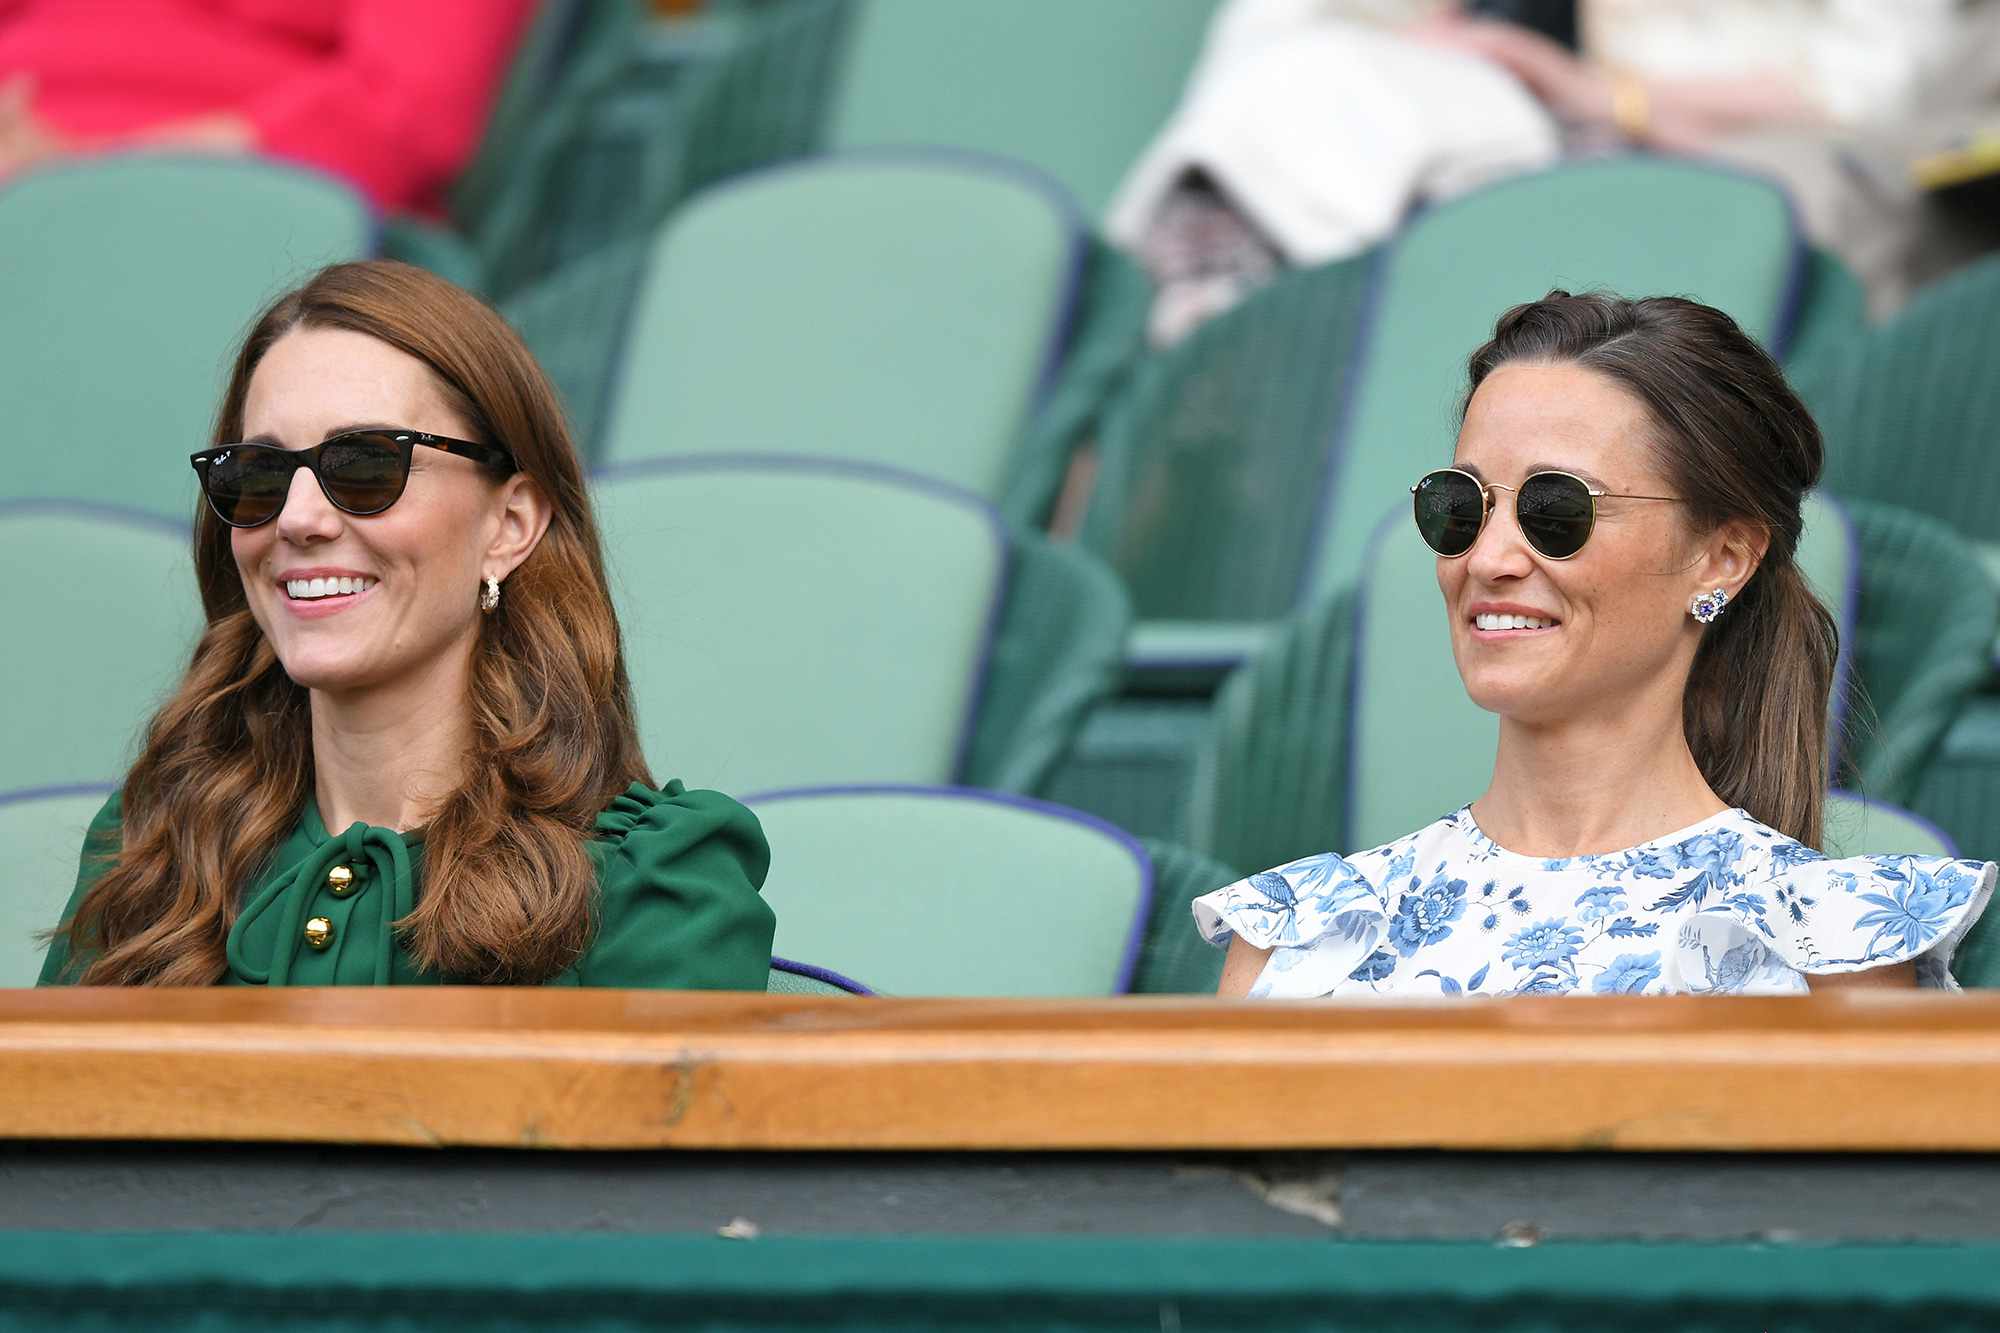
(1737, 444)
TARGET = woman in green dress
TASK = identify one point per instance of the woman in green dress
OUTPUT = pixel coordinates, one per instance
(404, 748)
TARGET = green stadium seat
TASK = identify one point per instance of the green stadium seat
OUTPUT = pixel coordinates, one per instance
(1911, 409)
(794, 622)
(1960, 786)
(1077, 90)
(907, 310)
(131, 280)
(102, 613)
(41, 838)
(928, 891)
(1173, 957)
(1857, 826)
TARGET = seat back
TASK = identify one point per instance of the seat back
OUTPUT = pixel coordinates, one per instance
(955, 891)
(1911, 408)
(1196, 500)
(792, 622)
(1856, 826)
(914, 303)
(102, 612)
(1420, 747)
(127, 283)
(1633, 225)
(41, 839)
(1077, 90)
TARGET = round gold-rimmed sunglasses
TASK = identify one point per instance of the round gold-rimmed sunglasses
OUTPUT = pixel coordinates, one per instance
(362, 472)
(1555, 511)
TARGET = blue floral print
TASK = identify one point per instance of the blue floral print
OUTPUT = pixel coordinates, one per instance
(1629, 974)
(1728, 906)
(1425, 916)
(1551, 941)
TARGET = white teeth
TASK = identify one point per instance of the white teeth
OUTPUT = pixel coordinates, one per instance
(1491, 621)
(305, 590)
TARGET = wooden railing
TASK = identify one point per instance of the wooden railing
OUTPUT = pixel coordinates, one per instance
(630, 1069)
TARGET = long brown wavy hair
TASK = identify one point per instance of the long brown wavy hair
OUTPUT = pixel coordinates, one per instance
(1737, 444)
(509, 888)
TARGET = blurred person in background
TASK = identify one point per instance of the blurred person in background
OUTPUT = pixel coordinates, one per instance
(1310, 127)
(404, 751)
(387, 95)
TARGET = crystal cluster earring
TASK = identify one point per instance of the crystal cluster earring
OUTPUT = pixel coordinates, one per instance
(489, 600)
(1707, 606)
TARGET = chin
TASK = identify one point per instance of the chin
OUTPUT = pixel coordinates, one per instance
(1511, 698)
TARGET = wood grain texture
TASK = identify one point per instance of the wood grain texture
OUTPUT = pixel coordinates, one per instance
(1890, 1071)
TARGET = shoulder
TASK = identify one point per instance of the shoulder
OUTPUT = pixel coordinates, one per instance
(646, 827)
(678, 879)
(1302, 901)
(1825, 914)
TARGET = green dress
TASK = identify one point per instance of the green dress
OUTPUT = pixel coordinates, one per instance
(678, 873)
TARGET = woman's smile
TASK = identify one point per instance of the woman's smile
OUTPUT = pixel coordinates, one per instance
(321, 591)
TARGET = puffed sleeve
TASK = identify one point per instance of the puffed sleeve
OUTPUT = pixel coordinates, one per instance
(1320, 917)
(679, 905)
(100, 842)
(1825, 916)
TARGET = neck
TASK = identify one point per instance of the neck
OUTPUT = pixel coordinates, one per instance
(389, 756)
(1593, 784)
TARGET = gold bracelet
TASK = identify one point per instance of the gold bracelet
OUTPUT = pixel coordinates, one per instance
(1631, 106)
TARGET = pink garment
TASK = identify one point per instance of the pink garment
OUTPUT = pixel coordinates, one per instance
(389, 95)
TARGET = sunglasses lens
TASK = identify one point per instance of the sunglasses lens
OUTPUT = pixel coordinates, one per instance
(247, 485)
(1449, 510)
(363, 474)
(1555, 513)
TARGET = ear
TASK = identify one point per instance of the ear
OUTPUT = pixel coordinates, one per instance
(524, 514)
(1730, 557)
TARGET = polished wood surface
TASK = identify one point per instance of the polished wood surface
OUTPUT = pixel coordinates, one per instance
(1887, 1071)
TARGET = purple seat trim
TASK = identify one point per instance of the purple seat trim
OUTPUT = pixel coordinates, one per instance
(23, 794)
(816, 973)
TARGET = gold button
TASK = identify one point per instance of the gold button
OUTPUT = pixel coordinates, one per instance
(340, 881)
(319, 932)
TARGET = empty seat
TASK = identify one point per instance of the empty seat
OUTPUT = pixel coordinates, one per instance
(904, 310)
(102, 613)
(1077, 90)
(127, 284)
(796, 622)
(955, 892)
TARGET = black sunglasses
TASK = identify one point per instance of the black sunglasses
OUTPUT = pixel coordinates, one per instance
(1555, 511)
(361, 472)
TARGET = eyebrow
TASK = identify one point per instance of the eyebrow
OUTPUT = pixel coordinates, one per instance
(265, 437)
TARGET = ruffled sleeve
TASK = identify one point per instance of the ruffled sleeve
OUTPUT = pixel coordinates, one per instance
(1320, 917)
(1825, 917)
(679, 905)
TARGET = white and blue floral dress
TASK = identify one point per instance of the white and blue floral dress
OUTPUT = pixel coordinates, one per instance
(1726, 906)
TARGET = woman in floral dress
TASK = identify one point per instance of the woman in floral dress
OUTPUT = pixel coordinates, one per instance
(1615, 541)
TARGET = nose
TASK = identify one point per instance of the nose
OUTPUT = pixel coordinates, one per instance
(307, 516)
(1500, 552)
